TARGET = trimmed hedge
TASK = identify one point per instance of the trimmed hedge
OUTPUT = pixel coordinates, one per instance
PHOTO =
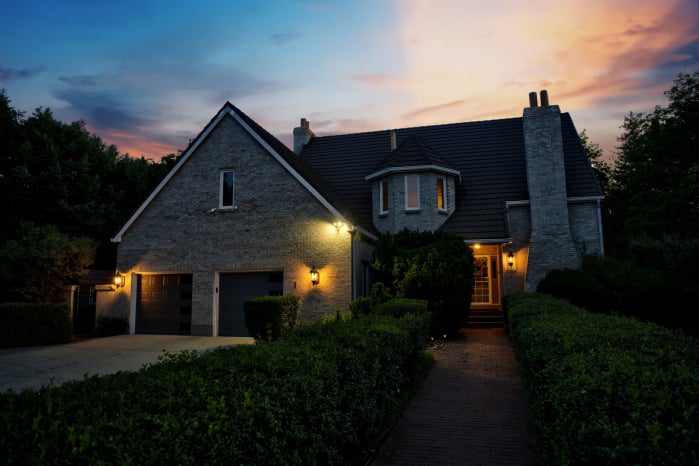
(23, 324)
(270, 317)
(605, 389)
(399, 307)
(320, 395)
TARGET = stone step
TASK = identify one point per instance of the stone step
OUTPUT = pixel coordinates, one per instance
(485, 318)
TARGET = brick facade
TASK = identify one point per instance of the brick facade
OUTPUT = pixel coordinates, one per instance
(277, 225)
(427, 218)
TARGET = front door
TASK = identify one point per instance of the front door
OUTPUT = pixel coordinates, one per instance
(482, 280)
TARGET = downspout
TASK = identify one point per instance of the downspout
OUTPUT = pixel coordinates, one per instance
(599, 227)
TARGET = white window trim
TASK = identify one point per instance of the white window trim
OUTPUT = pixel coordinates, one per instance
(220, 190)
(417, 177)
(381, 197)
(444, 194)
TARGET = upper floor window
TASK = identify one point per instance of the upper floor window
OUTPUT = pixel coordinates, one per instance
(441, 193)
(412, 192)
(383, 196)
(226, 199)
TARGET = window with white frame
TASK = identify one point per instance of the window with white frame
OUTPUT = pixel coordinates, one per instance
(441, 193)
(226, 199)
(412, 192)
(383, 197)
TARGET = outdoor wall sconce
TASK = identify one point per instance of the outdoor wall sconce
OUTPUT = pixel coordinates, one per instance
(338, 226)
(119, 280)
(315, 277)
(510, 260)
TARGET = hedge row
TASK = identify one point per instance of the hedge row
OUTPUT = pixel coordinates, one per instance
(34, 324)
(605, 389)
(321, 395)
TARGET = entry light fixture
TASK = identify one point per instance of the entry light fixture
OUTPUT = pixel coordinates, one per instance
(119, 280)
(338, 226)
(315, 276)
(510, 260)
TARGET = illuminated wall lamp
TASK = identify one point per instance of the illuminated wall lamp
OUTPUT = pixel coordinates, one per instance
(315, 277)
(119, 280)
(510, 260)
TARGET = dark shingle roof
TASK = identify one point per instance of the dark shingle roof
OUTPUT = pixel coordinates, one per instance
(488, 154)
(412, 152)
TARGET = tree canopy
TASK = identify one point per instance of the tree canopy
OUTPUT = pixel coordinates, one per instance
(58, 176)
(655, 182)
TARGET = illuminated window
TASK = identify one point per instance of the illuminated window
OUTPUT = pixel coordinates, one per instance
(412, 192)
(383, 196)
(227, 189)
(441, 194)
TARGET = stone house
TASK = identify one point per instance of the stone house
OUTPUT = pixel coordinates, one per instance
(241, 215)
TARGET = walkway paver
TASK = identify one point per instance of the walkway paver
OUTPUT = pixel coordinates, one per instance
(470, 410)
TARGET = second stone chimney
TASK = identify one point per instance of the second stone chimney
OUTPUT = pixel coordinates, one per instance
(302, 135)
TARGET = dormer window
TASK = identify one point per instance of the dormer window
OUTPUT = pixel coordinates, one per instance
(383, 197)
(441, 193)
(412, 192)
(226, 199)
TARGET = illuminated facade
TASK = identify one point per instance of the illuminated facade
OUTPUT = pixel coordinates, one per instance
(241, 215)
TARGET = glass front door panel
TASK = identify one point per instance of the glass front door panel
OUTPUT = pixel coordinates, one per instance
(481, 280)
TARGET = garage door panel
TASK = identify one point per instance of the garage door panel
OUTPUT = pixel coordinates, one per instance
(235, 289)
(162, 299)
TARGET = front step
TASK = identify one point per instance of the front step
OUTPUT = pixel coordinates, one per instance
(485, 318)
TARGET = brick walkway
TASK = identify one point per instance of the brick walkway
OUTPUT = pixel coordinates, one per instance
(471, 409)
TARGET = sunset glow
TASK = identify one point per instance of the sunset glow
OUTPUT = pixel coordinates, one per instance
(148, 77)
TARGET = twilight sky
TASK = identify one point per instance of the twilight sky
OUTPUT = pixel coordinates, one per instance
(147, 75)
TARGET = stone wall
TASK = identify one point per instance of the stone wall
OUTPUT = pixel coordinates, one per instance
(276, 225)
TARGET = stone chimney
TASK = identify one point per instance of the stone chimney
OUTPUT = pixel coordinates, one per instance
(302, 135)
(551, 242)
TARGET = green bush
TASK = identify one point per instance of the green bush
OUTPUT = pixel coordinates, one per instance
(434, 266)
(576, 286)
(606, 389)
(269, 317)
(109, 326)
(320, 395)
(24, 324)
(610, 286)
(399, 307)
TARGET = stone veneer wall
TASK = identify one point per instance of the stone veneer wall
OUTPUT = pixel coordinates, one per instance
(278, 225)
(584, 227)
(428, 218)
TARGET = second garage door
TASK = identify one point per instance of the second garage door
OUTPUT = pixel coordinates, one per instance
(235, 289)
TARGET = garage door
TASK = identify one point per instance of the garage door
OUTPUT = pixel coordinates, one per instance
(235, 289)
(164, 304)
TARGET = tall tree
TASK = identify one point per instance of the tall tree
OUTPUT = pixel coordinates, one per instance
(656, 177)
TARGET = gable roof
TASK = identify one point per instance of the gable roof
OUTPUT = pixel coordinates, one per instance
(489, 155)
(294, 165)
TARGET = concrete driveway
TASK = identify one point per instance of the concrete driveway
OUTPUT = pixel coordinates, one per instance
(34, 367)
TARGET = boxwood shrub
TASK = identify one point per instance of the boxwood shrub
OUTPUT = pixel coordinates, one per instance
(269, 317)
(320, 395)
(606, 389)
(398, 307)
(23, 324)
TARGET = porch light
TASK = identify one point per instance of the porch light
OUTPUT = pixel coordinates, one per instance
(119, 280)
(315, 277)
(510, 260)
